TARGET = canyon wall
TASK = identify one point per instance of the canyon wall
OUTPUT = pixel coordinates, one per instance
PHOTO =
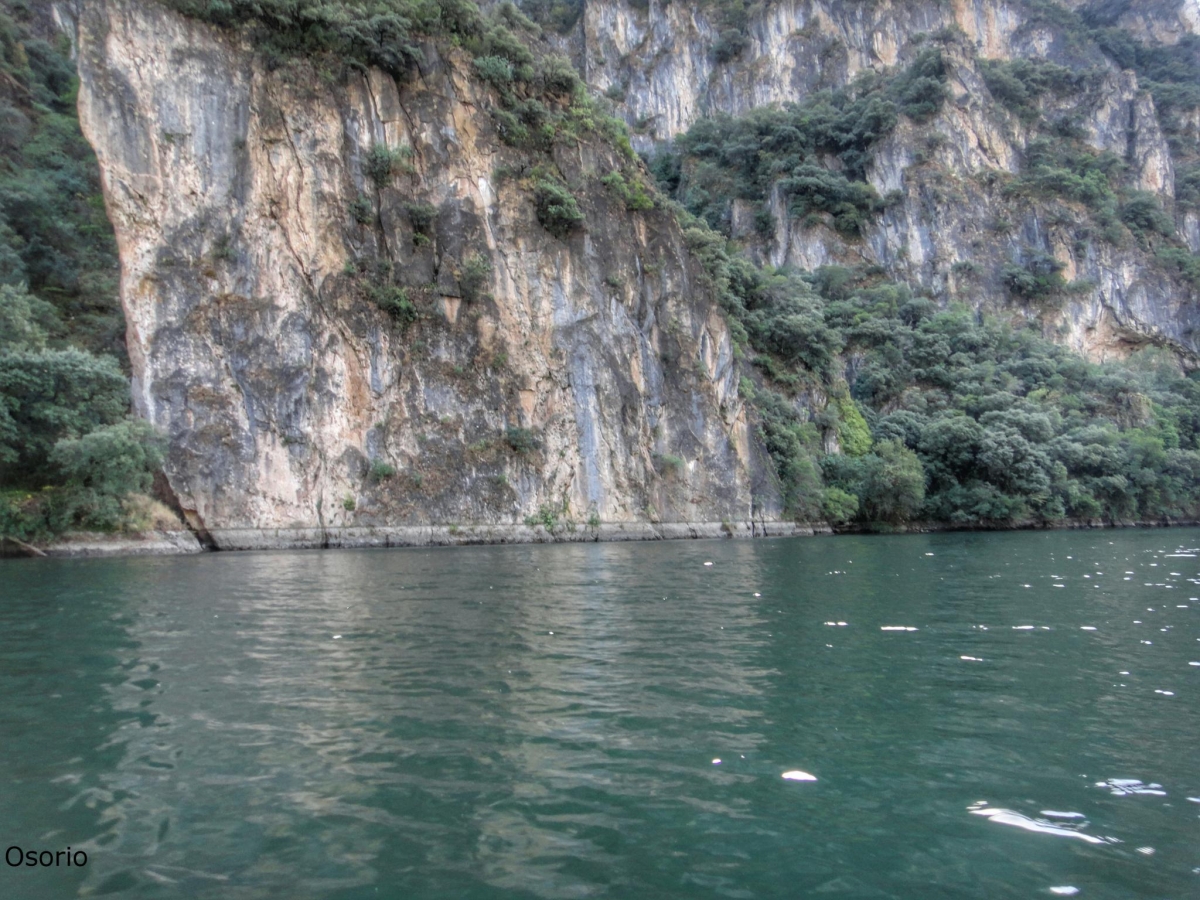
(577, 382)
(949, 227)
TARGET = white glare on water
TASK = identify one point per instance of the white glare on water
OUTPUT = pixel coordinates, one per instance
(798, 775)
(1121, 787)
(1041, 826)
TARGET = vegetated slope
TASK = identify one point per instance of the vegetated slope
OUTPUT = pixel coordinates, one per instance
(975, 417)
(1044, 141)
(394, 269)
(69, 453)
(879, 407)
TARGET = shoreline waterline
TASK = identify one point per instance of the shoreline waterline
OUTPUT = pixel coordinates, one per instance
(183, 542)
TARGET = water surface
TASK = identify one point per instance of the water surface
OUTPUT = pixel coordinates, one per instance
(545, 721)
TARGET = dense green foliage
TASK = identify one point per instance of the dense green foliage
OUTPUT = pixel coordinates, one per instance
(1019, 83)
(971, 421)
(382, 33)
(54, 235)
(723, 158)
(69, 454)
(556, 207)
(1037, 278)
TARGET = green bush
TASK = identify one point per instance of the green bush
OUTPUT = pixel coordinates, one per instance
(1037, 278)
(383, 163)
(47, 395)
(889, 482)
(394, 301)
(1019, 83)
(1183, 264)
(722, 158)
(380, 470)
(557, 209)
(1143, 215)
(546, 516)
(421, 216)
(558, 76)
(474, 276)
(522, 440)
(853, 433)
(362, 209)
(839, 506)
(105, 465)
(495, 70)
(631, 192)
(669, 465)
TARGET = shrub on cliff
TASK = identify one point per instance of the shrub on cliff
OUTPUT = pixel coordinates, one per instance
(394, 301)
(1038, 277)
(522, 441)
(495, 70)
(556, 206)
(630, 191)
(723, 158)
(474, 276)
(374, 32)
(382, 163)
(1019, 83)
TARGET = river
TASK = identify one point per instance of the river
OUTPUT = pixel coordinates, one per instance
(1006, 715)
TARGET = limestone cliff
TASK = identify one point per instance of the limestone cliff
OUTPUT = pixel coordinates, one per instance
(945, 178)
(585, 379)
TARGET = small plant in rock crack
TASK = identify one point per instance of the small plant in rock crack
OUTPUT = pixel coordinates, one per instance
(473, 277)
(383, 163)
(522, 440)
(381, 470)
(394, 301)
(362, 210)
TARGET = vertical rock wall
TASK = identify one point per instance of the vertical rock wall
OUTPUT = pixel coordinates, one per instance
(950, 228)
(590, 378)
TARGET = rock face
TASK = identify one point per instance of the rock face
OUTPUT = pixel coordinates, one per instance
(949, 229)
(590, 378)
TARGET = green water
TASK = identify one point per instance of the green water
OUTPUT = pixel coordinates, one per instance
(521, 722)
